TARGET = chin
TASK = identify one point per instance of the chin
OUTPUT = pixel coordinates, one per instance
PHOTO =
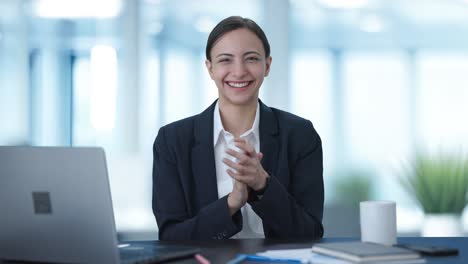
(242, 101)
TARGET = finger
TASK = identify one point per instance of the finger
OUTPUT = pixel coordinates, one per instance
(241, 157)
(245, 144)
(235, 175)
(247, 147)
(234, 153)
(239, 168)
(248, 180)
(239, 185)
(259, 156)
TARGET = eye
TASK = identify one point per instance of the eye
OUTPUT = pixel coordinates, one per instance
(224, 60)
(252, 59)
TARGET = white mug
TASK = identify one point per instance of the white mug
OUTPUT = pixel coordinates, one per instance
(378, 222)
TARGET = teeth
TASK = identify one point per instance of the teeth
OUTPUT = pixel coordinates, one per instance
(238, 85)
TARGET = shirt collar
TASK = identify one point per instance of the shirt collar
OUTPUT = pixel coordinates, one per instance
(218, 125)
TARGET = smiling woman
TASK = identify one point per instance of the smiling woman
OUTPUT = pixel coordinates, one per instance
(240, 169)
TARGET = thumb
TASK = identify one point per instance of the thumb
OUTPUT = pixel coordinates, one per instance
(259, 156)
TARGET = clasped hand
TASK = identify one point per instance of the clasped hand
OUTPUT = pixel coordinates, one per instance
(247, 171)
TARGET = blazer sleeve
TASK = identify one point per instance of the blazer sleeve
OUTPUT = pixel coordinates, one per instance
(175, 219)
(297, 212)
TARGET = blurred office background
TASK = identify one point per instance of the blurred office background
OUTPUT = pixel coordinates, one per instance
(379, 79)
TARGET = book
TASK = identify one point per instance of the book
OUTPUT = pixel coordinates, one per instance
(364, 252)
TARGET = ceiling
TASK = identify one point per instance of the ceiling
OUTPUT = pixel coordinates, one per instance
(327, 20)
(311, 12)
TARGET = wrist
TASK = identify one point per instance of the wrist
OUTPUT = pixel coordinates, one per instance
(232, 208)
(261, 190)
(233, 203)
(263, 183)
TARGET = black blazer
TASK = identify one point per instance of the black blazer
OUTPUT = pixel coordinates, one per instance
(185, 196)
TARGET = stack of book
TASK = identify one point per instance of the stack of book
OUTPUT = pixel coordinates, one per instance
(367, 252)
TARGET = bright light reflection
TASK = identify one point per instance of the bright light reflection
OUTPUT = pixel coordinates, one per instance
(155, 28)
(103, 87)
(343, 3)
(372, 24)
(205, 24)
(77, 8)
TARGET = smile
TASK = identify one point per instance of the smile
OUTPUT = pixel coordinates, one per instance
(238, 84)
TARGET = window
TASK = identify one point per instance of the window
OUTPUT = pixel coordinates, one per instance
(94, 90)
(377, 108)
(311, 95)
(377, 116)
(442, 100)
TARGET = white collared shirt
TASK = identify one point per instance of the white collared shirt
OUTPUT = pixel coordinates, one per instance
(252, 224)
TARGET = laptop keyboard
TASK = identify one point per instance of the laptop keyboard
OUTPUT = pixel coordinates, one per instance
(136, 254)
(154, 254)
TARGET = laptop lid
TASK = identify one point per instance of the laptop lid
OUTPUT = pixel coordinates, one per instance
(56, 206)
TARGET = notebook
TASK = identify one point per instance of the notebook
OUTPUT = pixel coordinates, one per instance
(56, 206)
(364, 252)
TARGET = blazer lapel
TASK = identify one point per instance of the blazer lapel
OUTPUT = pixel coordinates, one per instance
(268, 138)
(203, 163)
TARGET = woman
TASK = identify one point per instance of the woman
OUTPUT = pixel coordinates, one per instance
(240, 168)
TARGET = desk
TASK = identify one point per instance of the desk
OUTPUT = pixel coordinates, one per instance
(221, 251)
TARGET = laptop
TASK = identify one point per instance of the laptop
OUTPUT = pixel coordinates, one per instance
(56, 206)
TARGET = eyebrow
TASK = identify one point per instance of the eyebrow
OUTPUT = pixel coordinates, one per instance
(224, 54)
(245, 54)
(251, 52)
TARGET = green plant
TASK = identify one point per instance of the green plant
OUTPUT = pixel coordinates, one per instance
(353, 188)
(438, 183)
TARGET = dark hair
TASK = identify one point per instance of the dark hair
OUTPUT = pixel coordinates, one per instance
(232, 23)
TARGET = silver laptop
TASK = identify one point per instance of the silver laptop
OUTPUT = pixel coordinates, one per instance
(56, 206)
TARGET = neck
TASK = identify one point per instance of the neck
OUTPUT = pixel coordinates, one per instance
(237, 119)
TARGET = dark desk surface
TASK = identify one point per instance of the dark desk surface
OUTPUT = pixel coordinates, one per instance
(221, 251)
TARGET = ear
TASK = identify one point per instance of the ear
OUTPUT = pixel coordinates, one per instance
(268, 65)
(209, 67)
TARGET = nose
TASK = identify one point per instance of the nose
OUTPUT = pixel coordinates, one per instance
(239, 70)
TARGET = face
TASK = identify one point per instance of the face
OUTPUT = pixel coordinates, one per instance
(238, 67)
